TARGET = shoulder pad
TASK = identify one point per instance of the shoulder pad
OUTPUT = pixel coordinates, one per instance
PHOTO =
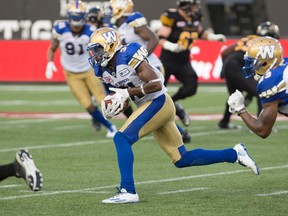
(167, 18)
(89, 29)
(136, 20)
(134, 54)
(61, 26)
(268, 88)
(244, 42)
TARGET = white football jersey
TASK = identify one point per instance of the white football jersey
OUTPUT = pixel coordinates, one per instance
(74, 55)
(124, 74)
(128, 35)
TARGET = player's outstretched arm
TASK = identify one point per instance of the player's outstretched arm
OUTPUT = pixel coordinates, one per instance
(262, 126)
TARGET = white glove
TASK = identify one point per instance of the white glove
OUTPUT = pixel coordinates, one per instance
(121, 95)
(236, 102)
(216, 37)
(112, 109)
(173, 47)
(50, 68)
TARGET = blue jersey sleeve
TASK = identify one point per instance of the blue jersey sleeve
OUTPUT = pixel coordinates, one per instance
(89, 29)
(136, 20)
(61, 27)
(272, 86)
(133, 54)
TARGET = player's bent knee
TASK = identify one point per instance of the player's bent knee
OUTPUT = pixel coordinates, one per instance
(120, 138)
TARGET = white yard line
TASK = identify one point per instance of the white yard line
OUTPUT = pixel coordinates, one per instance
(181, 191)
(9, 186)
(88, 190)
(274, 193)
(107, 140)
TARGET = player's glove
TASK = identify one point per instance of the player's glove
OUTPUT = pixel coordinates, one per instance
(50, 68)
(173, 47)
(216, 37)
(236, 102)
(110, 110)
(120, 96)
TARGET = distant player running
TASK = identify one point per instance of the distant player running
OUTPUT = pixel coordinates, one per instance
(73, 37)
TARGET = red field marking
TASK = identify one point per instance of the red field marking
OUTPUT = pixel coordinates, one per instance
(200, 117)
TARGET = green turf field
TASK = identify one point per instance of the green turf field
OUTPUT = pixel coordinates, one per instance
(80, 168)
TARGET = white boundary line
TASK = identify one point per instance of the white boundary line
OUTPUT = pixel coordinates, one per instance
(274, 193)
(94, 142)
(88, 190)
(181, 191)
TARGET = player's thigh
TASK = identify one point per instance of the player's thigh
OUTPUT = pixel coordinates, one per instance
(77, 85)
(186, 75)
(96, 87)
(169, 139)
(149, 117)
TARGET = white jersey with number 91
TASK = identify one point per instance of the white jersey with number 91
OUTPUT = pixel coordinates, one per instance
(74, 53)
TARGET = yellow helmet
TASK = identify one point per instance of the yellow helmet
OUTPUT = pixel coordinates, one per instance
(77, 13)
(121, 8)
(263, 54)
(104, 43)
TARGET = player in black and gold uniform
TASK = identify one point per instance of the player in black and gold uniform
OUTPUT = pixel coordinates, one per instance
(181, 26)
(233, 62)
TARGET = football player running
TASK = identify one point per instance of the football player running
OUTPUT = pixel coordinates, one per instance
(233, 63)
(180, 28)
(72, 38)
(126, 68)
(132, 27)
(23, 167)
(264, 61)
(95, 16)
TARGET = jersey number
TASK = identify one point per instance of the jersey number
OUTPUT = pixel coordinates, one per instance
(186, 39)
(70, 49)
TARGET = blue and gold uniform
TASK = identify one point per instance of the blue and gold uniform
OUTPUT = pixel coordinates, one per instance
(72, 38)
(272, 87)
(126, 68)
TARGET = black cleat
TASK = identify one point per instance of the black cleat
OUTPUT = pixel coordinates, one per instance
(186, 136)
(182, 114)
(96, 124)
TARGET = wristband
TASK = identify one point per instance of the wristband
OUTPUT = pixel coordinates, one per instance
(241, 111)
(142, 89)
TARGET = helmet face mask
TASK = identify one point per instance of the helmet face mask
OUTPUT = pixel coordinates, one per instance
(263, 54)
(77, 13)
(121, 8)
(104, 43)
(96, 53)
(250, 66)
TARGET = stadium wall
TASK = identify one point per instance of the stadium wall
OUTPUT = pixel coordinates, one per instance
(25, 60)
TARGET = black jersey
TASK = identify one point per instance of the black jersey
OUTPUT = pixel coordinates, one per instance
(183, 32)
(242, 44)
(241, 48)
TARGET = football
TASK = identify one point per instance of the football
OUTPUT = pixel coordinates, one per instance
(125, 106)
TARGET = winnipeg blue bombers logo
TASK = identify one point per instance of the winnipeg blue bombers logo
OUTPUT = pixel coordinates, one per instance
(110, 36)
(267, 51)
